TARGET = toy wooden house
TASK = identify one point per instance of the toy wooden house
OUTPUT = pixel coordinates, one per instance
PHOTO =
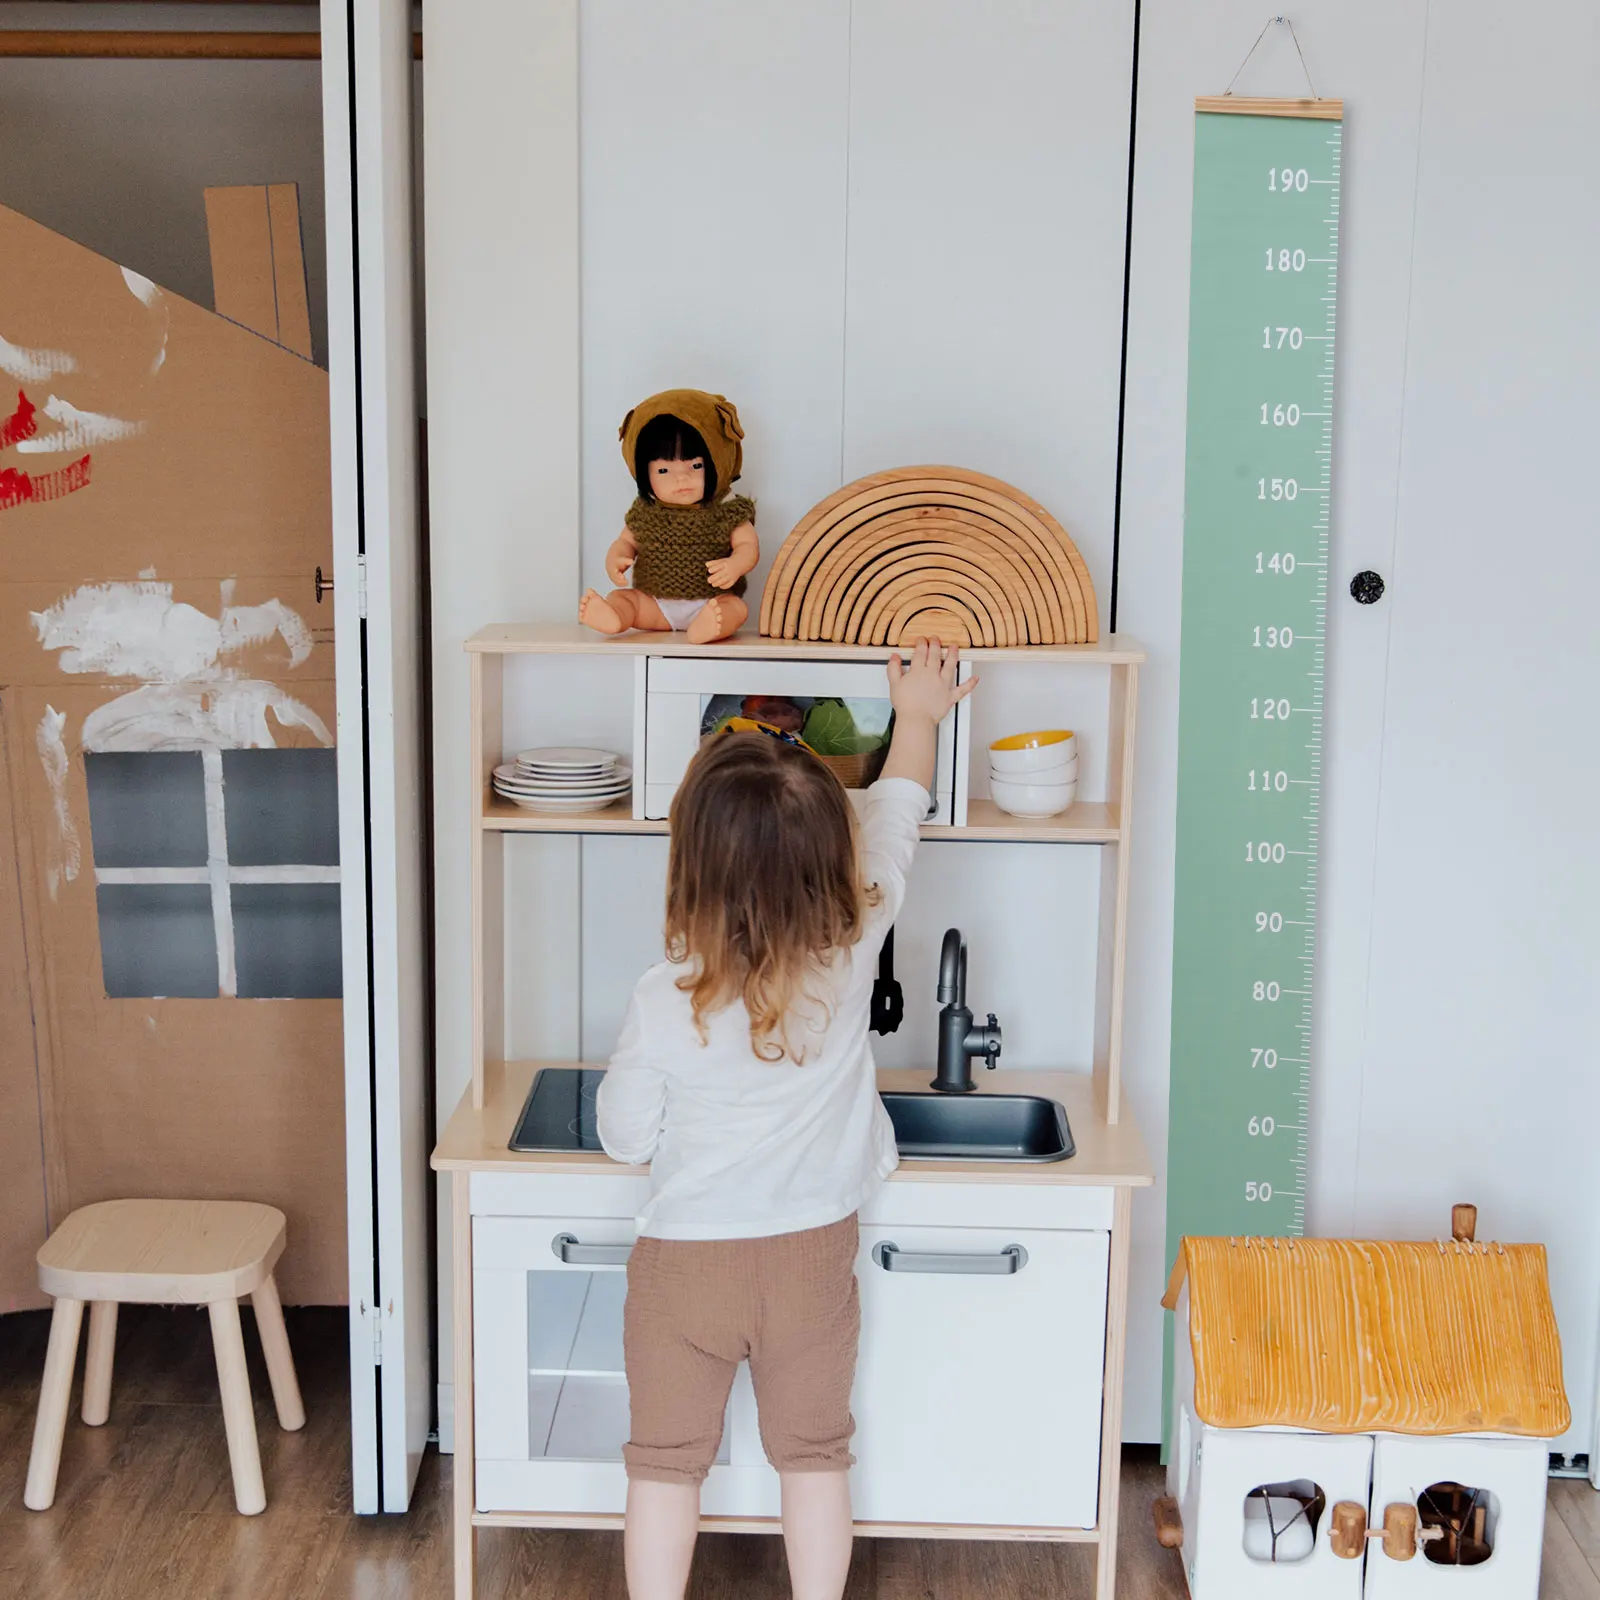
(1361, 1419)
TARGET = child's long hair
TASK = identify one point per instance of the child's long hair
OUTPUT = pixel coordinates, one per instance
(763, 883)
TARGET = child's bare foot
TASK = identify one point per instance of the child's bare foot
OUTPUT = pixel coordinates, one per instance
(594, 611)
(717, 619)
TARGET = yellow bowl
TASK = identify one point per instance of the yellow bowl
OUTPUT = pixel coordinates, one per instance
(1023, 753)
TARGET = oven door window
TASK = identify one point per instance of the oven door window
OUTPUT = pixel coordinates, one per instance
(850, 735)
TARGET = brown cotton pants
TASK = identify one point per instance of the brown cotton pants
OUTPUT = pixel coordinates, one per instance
(697, 1308)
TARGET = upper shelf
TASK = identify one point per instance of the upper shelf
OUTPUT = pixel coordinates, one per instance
(547, 638)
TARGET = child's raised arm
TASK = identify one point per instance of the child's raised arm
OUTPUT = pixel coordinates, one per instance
(922, 692)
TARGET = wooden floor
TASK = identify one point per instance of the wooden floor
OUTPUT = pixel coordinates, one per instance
(144, 1507)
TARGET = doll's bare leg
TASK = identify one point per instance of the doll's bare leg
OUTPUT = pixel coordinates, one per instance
(717, 619)
(620, 610)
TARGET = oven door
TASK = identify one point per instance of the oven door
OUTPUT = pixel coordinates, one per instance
(686, 698)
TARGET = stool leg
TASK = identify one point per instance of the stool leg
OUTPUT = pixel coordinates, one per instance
(55, 1394)
(280, 1362)
(97, 1369)
(238, 1413)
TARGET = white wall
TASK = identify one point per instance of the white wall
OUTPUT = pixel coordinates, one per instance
(941, 276)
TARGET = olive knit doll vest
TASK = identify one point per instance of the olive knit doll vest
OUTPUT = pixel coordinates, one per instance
(675, 543)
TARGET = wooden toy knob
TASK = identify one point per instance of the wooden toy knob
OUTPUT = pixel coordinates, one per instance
(1347, 1530)
(1169, 1523)
(1399, 1531)
(1463, 1223)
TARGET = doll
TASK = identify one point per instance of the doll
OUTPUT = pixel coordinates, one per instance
(690, 543)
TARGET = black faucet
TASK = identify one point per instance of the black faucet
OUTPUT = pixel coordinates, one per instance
(959, 1041)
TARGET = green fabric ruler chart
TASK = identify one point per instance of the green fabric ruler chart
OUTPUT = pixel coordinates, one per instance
(1262, 303)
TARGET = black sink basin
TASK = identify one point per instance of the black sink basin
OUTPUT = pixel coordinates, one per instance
(978, 1127)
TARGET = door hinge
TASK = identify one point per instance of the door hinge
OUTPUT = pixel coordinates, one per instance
(377, 1337)
(361, 586)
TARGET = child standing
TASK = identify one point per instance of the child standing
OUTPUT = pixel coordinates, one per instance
(744, 1075)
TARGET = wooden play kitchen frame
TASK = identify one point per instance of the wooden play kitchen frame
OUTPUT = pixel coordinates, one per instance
(492, 1184)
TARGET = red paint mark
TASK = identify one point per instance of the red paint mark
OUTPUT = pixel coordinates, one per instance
(22, 488)
(20, 424)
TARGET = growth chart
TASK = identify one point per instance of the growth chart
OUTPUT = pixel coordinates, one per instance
(1262, 323)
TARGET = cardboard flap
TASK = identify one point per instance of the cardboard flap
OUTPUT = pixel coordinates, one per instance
(258, 272)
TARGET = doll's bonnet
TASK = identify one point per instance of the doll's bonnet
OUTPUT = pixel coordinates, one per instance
(711, 416)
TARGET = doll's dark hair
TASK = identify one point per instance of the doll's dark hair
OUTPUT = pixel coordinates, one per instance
(666, 438)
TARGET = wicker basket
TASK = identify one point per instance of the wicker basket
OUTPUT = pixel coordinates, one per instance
(857, 772)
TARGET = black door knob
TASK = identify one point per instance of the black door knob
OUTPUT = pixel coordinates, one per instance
(1366, 588)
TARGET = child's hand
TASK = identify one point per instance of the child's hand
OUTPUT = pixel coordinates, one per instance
(926, 687)
(724, 573)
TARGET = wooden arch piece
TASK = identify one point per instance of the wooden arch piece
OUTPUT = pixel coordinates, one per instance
(930, 549)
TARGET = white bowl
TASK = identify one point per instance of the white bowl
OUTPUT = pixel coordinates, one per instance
(1032, 752)
(1032, 799)
(1065, 772)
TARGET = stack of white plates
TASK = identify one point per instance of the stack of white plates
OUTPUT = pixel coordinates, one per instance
(564, 779)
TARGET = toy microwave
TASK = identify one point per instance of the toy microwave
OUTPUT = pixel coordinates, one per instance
(839, 708)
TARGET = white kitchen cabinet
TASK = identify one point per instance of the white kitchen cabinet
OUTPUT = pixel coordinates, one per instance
(550, 1406)
(977, 1396)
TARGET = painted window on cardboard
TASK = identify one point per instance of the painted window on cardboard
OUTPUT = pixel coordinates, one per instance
(217, 873)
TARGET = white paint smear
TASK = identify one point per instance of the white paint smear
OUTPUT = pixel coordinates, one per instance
(141, 286)
(152, 296)
(228, 715)
(137, 630)
(76, 430)
(33, 366)
(188, 698)
(247, 625)
(65, 854)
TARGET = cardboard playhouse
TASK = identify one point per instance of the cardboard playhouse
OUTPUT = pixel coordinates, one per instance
(170, 1020)
(1355, 1419)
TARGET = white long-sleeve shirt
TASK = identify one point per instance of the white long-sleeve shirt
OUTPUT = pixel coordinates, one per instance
(742, 1148)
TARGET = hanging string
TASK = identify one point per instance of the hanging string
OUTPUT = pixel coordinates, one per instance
(1271, 22)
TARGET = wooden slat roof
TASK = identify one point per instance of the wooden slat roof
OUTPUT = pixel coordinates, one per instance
(1345, 1336)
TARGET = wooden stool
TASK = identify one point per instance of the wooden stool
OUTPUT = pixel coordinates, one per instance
(163, 1252)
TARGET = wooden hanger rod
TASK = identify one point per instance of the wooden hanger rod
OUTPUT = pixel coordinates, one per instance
(95, 44)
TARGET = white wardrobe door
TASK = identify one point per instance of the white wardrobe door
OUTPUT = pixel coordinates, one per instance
(1483, 1009)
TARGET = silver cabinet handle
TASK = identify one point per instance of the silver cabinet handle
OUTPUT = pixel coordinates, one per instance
(1002, 1263)
(574, 1252)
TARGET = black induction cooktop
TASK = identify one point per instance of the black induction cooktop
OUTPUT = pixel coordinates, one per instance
(559, 1113)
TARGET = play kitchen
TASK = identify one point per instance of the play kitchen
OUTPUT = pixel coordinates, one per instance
(1009, 1215)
